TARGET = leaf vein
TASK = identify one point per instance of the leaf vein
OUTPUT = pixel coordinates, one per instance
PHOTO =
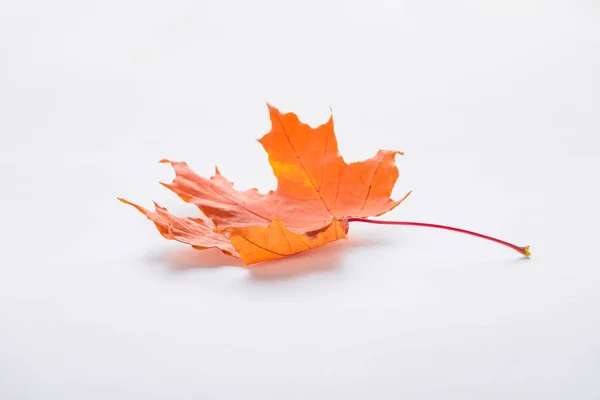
(261, 247)
(287, 136)
(370, 186)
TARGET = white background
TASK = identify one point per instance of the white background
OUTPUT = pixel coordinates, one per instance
(496, 105)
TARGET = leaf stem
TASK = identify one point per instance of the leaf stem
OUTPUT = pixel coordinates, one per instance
(522, 250)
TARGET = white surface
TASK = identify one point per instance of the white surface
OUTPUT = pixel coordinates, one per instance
(496, 105)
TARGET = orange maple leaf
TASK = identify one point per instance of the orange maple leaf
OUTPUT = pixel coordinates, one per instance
(317, 194)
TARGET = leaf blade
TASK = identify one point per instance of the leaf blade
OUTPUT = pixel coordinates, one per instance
(257, 244)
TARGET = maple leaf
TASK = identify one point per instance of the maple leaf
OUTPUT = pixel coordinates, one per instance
(317, 194)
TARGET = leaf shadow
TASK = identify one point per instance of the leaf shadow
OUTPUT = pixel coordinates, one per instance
(322, 259)
(187, 258)
(319, 260)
